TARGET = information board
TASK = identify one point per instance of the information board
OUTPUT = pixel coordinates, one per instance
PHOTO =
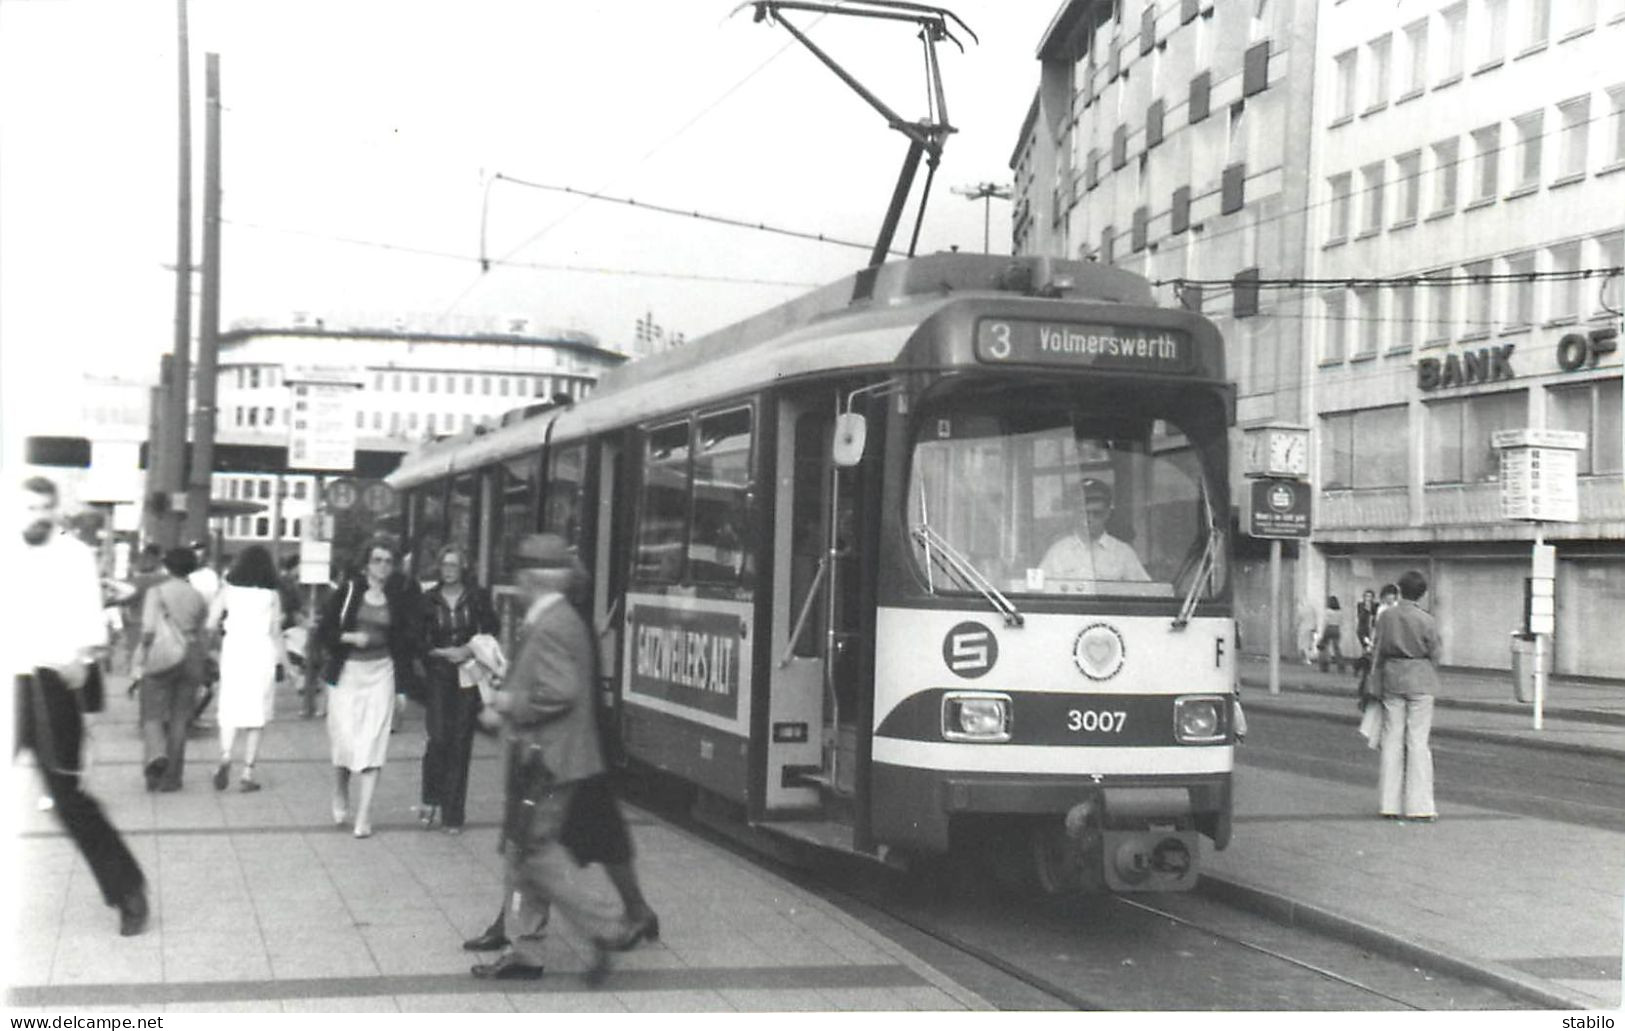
(1540, 483)
(1277, 509)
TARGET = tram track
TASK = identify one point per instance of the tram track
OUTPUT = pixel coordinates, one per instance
(1098, 953)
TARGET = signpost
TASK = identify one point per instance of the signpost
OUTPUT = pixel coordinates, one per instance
(1274, 456)
(1539, 484)
(321, 424)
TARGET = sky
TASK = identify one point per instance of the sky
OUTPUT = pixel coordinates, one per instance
(360, 141)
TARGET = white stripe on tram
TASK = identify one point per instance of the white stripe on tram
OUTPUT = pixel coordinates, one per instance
(1070, 759)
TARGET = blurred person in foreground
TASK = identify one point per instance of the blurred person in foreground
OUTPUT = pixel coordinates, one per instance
(54, 627)
(550, 727)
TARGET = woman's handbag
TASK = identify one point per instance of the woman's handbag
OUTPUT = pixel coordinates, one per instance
(168, 647)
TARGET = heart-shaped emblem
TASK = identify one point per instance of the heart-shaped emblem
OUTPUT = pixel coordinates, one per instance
(1100, 650)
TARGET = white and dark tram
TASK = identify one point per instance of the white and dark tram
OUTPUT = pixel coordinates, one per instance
(822, 573)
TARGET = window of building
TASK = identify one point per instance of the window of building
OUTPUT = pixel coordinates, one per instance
(1453, 49)
(242, 375)
(451, 384)
(1577, 16)
(300, 489)
(1520, 292)
(378, 381)
(1459, 444)
(1340, 186)
(1480, 299)
(539, 387)
(1345, 65)
(238, 416)
(264, 488)
(1494, 38)
(468, 422)
(1403, 328)
(1563, 295)
(1573, 150)
(1593, 409)
(1414, 59)
(298, 527)
(1380, 60)
(1610, 254)
(1441, 295)
(1446, 161)
(253, 416)
(433, 383)
(1372, 184)
(1367, 321)
(1408, 179)
(377, 420)
(1527, 129)
(394, 422)
(395, 382)
(254, 377)
(1486, 162)
(414, 386)
(1334, 312)
(1536, 23)
(262, 526)
(411, 421)
(232, 487)
(1365, 449)
(273, 375)
(485, 385)
(1615, 129)
(428, 422)
(468, 384)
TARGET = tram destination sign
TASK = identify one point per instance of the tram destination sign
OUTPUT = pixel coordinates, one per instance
(1096, 345)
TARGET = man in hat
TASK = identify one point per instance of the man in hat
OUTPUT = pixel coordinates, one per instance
(551, 734)
(1089, 552)
(49, 644)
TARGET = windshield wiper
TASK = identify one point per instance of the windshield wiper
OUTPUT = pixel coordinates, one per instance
(937, 547)
(1205, 568)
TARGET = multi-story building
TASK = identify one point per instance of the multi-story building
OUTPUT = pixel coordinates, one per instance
(1403, 214)
(409, 387)
(1468, 171)
(1168, 138)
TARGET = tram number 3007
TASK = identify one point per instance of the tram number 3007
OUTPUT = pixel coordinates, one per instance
(1093, 721)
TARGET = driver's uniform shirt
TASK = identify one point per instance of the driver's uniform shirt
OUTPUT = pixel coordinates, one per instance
(1107, 558)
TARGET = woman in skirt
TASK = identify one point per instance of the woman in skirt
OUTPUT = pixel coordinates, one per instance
(370, 642)
(249, 611)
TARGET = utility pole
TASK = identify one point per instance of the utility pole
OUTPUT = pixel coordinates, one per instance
(985, 192)
(153, 513)
(208, 351)
(174, 424)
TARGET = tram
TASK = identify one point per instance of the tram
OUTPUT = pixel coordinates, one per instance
(933, 559)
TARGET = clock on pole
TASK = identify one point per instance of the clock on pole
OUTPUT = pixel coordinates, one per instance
(1276, 450)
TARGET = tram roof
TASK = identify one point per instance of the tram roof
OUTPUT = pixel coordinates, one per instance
(863, 320)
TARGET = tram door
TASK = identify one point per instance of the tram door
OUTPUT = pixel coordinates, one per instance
(813, 698)
(609, 590)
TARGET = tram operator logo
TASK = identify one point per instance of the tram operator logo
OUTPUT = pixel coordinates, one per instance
(970, 650)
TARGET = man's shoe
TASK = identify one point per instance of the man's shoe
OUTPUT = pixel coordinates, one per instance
(133, 913)
(154, 772)
(506, 969)
(222, 775)
(647, 929)
(489, 941)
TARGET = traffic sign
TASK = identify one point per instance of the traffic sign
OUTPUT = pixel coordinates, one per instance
(378, 497)
(1277, 509)
(342, 495)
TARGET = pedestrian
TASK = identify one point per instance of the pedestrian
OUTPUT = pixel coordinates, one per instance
(550, 729)
(149, 570)
(369, 646)
(167, 696)
(455, 608)
(1365, 620)
(1404, 668)
(1331, 633)
(54, 627)
(249, 609)
(207, 583)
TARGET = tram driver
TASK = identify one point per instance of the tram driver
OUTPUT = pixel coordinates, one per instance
(1089, 552)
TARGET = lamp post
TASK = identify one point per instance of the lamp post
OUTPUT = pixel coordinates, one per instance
(985, 192)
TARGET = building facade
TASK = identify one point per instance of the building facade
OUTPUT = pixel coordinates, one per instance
(408, 387)
(1468, 171)
(1402, 217)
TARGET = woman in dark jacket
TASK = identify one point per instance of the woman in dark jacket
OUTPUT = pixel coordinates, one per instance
(370, 642)
(454, 610)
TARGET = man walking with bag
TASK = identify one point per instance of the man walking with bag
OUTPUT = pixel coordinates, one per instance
(550, 729)
(55, 625)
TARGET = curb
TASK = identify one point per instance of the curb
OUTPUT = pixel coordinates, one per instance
(1597, 716)
(1459, 733)
(1420, 951)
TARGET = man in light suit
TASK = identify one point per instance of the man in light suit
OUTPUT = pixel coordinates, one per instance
(550, 729)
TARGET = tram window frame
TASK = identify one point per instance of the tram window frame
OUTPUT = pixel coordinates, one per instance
(731, 532)
(461, 531)
(561, 512)
(428, 522)
(516, 498)
(660, 548)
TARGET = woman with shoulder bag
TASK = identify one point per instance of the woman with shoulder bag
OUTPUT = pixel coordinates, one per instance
(168, 671)
(368, 636)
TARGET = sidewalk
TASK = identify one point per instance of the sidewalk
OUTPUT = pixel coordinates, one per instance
(260, 904)
(1579, 715)
(1536, 906)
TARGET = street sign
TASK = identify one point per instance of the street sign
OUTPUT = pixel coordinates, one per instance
(378, 497)
(1277, 509)
(342, 495)
(1540, 483)
(315, 560)
(1572, 440)
(321, 426)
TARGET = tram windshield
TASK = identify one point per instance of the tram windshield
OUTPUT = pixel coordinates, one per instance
(1092, 490)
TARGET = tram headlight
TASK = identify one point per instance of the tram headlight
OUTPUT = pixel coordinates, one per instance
(1198, 720)
(975, 716)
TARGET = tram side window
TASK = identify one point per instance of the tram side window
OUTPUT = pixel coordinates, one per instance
(516, 505)
(561, 512)
(462, 517)
(428, 526)
(718, 550)
(663, 505)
